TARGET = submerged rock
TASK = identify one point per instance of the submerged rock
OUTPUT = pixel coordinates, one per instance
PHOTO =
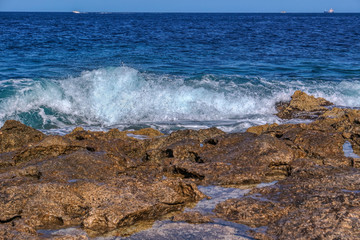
(192, 217)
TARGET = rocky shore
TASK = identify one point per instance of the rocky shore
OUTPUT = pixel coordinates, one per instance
(114, 184)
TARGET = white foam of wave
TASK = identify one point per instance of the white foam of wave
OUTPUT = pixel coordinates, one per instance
(122, 95)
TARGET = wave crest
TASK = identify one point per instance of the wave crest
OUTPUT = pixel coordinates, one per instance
(106, 97)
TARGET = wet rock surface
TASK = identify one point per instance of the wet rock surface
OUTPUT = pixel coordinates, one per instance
(192, 217)
(87, 184)
(302, 106)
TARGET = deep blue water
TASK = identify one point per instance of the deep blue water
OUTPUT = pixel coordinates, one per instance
(169, 71)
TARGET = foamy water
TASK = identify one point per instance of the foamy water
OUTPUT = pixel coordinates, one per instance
(123, 97)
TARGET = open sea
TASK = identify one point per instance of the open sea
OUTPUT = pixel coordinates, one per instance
(171, 70)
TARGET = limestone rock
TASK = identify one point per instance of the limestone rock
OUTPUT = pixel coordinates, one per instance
(240, 158)
(50, 147)
(14, 135)
(251, 211)
(302, 106)
(261, 128)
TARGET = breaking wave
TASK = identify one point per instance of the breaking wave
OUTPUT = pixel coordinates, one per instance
(124, 97)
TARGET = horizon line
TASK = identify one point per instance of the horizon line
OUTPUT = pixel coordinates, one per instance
(286, 12)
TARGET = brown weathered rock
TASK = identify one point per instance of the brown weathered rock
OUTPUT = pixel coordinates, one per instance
(82, 164)
(322, 144)
(317, 145)
(302, 106)
(99, 207)
(232, 159)
(261, 128)
(52, 146)
(112, 210)
(14, 135)
(304, 102)
(250, 211)
(344, 121)
(339, 120)
(178, 136)
(17, 229)
(183, 144)
(80, 134)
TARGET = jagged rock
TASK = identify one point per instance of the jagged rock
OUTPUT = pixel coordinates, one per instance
(148, 202)
(17, 229)
(178, 136)
(339, 120)
(325, 145)
(343, 121)
(80, 134)
(52, 146)
(261, 128)
(14, 135)
(316, 144)
(241, 158)
(81, 164)
(302, 106)
(183, 144)
(250, 211)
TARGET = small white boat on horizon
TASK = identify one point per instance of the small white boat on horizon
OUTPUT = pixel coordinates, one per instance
(75, 12)
(330, 11)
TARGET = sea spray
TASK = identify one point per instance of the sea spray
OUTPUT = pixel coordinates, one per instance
(124, 97)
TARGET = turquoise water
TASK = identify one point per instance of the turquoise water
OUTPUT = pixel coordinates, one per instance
(171, 71)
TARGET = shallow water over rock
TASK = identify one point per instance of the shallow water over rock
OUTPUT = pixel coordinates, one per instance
(167, 229)
(348, 150)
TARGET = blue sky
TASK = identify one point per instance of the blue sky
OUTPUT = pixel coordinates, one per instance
(181, 5)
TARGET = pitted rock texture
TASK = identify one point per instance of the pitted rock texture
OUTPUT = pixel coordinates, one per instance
(14, 135)
(302, 106)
